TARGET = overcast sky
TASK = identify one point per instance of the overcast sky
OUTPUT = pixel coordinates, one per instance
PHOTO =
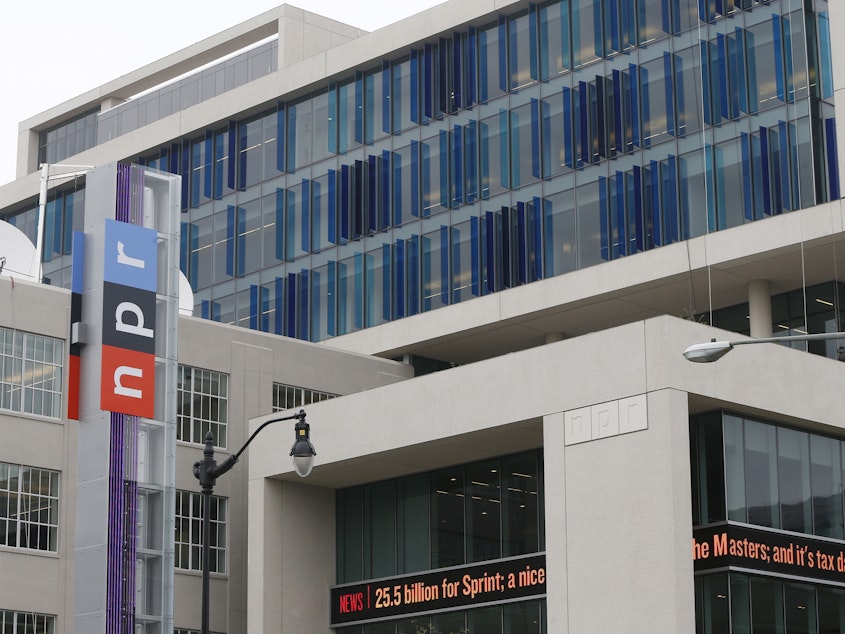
(53, 50)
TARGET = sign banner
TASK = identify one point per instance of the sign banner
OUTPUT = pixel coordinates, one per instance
(129, 317)
(769, 551)
(460, 587)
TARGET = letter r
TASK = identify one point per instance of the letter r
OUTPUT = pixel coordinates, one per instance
(122, 258)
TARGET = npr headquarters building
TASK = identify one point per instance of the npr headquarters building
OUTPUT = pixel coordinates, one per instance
(473, 245)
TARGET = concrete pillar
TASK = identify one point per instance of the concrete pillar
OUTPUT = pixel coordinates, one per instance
(760, 308)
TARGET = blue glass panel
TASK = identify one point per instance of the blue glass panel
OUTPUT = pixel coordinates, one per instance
(599, 119)
(669, 84)
(415, 179)
(384, 190)
(472, 61)
(503, 60)
(751, 65)
(415, 87)
(778, 55)
(333, 119)
(637, 208)
(740, 80)
(826, 60)
(279, 306)
(372, 195)
(618, 105)
(764, 169)
(385, 283)
(669, 173)
(747, 179)
(521, 244)
(304, 282)
(444, 100)
(506, 254)
(331, 302)
(783, 167)
(535, 258)
(253, 307)
(399, 280)
(568, 139)
(396, 159)
(445, 199)
(240, 245)
(788, 70)
(444, 263)
(471, 173)
(488, 262)
(543, 136)
(359, 106)
(720, 76)
(583, 122)
(305, 211)
(356, 204)
(428, 81)
(832, 158)
(707, 93)
(475, 254)
(413, 246)
(230, 240)
(504, 155)
(458, 55)
(385, 97)
(359, 291)
(204, 309)
(344, 202)
(618, 225)
(290, 305)
(457, 178)
(532, 39)
(604, 221)
(634, 101)
(654, 202)
(281, 119)
(331, 211)
(711, 187)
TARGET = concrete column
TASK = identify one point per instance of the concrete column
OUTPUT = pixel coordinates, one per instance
(760, 308)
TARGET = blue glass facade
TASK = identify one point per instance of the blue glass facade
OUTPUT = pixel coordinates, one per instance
(553, 139)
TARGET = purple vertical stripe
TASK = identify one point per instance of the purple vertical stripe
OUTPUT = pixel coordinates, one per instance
(123, 487)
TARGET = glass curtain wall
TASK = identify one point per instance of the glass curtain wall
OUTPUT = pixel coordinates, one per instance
(552, 139)
(453, 516)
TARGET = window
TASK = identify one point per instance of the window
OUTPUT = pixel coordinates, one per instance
(26, 623)
(203, 405)
(461, 514)
(29, 508)
(31, 373)
(290, 396)
(188, 542)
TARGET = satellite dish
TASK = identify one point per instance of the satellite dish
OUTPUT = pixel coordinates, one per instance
(17, 254)
(186, 296)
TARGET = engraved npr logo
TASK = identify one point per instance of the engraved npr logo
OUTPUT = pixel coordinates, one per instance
(129, 314)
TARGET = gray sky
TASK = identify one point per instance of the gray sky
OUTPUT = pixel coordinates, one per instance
(53, 50)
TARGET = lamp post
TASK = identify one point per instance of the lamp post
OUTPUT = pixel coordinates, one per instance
(207, 471)
(715, 350)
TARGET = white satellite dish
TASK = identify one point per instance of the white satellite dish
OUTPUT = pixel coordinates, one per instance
(17, 254)
(186, 296)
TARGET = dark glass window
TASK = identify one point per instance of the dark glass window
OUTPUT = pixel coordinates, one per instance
(452, 516)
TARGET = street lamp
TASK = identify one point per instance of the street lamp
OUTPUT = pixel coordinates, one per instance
(715, 350)
(207, 471)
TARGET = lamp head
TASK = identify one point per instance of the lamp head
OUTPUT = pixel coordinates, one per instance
(708, 352)
(302, 451)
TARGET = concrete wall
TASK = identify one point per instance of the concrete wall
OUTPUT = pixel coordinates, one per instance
(32, 580)
(618, 505)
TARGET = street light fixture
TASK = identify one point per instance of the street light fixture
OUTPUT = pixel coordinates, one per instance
(207, 471)
(715, 350)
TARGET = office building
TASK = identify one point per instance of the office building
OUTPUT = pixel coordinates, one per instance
(493, 228)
